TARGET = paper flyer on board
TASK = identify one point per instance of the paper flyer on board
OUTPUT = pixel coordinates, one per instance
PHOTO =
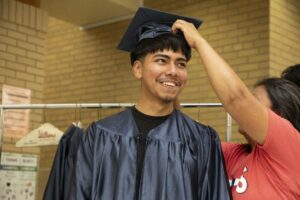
(16, 122)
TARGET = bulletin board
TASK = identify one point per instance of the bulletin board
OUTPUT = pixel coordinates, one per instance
(18, 175)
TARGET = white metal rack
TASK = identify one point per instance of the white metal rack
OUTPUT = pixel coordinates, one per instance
(98, 105)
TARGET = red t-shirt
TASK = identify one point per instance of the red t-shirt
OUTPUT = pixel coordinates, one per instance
(270, 171)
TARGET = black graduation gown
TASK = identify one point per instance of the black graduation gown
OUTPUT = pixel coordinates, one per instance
(183, 161)
(59, 182)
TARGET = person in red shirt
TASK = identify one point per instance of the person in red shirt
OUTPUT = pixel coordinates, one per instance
(269, 118)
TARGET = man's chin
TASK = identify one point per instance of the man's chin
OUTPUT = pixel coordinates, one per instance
(168, 100)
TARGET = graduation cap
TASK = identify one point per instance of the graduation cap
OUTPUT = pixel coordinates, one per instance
(149, 23)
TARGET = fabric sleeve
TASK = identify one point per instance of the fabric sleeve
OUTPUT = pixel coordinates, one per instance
(218, 185)
(84, 166)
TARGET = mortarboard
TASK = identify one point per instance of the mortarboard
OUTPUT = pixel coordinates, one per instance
(149, 23)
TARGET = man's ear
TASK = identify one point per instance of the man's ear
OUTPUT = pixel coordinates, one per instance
(137, 69)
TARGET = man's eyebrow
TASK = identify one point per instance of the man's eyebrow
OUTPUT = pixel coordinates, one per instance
(181, 59)
(162, 55)
(168, 57)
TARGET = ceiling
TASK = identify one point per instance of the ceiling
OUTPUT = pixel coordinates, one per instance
(90, 13)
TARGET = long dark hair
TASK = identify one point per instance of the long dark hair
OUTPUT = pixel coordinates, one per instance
(285, 98)
(292, 73)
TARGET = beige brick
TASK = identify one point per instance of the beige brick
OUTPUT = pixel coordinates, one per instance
(36, 41)
(19, 12)
(42, 35)
(35, 71)
(6, 140)
(259, 43)
(16, 35)
(39, 19)
(227, 27)
(10, 148)
(259, 28)
(238, 32)
(26, 61)
(3, 31)
(8, 40)
(40, 80)
(7, 72)
(45, 22)
(35, 56)
(7, 56)
(2, 63)
(248, 37)
(32, 16)
(39, 96)
(15, 50)
(25, 19)
(12, 10)
(40, 65)
(26, 45)
(5, 9)
(26, 30)
(228, 41)
(31, 150)
(34, 86)
(15, 66)
(259, 13)
(258, 58)
(25, 76)
(2, 79)
(8, 25)
(41, 50)
(2, 47)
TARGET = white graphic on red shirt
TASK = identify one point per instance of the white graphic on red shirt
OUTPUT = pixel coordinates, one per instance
(241, 183)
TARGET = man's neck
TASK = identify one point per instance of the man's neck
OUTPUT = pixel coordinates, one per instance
(155, 108)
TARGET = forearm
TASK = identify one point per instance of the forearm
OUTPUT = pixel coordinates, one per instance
(228, 86)
(233, 93)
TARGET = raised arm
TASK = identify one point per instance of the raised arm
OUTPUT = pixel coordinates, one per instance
(246, 110)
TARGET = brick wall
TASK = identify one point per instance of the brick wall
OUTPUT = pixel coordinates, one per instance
(22, 50)
(23, 33)
(284, 34)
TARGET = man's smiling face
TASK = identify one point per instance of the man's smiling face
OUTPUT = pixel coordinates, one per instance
(163, 75)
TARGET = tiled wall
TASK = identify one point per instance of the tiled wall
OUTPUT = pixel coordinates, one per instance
(284, 34)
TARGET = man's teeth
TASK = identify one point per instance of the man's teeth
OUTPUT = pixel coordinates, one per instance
(169, 84)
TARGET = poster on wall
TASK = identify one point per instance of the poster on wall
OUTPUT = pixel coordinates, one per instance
(16, 122)
(18, 175)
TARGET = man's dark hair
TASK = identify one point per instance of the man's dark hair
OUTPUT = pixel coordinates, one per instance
(285, 98)
(292, 73)
(169, 41)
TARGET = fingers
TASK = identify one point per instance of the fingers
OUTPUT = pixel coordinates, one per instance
(189, 31)
(178, 25)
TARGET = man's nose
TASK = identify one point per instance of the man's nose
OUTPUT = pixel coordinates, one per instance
(171, 69)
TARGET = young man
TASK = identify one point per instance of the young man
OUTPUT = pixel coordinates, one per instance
(152, 151)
